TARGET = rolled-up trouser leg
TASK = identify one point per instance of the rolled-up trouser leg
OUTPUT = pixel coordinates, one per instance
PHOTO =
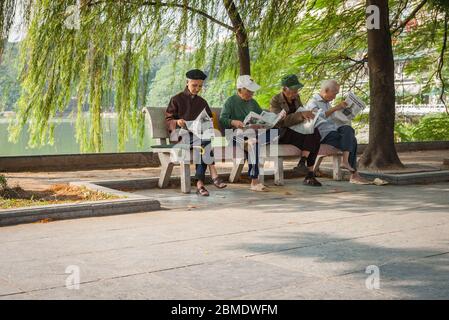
(353, 155)
(312, 144)
(253, 160)
(199, 156)
(349, 143)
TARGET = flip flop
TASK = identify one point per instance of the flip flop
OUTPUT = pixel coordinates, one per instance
(202, 192)
(346, 168)
(259, 188)
(219, 183)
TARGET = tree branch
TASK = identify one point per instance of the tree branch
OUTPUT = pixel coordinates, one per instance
(174, 5)
(441, 62)
(410, 17)
(401, 7)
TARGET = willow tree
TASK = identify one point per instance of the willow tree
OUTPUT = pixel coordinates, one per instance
(100, 50)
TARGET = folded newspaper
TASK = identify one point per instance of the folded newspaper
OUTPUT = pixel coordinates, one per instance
(266, 120)
(308, 126)
(202, 127)
(355, 106)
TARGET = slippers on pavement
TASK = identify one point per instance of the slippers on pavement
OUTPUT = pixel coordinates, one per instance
(259, 188)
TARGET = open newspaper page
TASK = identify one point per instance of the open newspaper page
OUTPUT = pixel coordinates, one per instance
(355, 106)
(308, 126)
(202, 127)
(266, 120)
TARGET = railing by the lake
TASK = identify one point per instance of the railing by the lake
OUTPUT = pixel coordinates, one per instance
(417, 109)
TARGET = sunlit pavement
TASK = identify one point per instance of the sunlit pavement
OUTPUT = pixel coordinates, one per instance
(340, 241)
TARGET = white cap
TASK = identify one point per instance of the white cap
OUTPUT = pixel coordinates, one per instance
(248, 83)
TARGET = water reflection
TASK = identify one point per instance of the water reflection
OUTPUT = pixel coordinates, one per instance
(65, 142)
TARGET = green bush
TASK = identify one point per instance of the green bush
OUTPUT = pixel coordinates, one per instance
(3, 182)
(433, 127)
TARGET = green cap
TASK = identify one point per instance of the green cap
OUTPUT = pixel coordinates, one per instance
(291, 81)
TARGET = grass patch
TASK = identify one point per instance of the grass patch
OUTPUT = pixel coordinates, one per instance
(57, 194)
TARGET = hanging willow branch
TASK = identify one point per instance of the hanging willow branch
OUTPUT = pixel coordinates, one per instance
(105, 55)
(441, 62)
(7, 13)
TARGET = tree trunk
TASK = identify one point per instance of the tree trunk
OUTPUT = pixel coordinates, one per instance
(381, 152)
(241, 35)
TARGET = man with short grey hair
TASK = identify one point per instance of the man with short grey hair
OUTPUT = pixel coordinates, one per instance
(338, 135)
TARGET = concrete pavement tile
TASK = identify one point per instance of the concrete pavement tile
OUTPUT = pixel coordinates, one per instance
(233, 278)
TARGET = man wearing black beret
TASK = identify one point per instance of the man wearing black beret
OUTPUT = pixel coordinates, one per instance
(187, 106)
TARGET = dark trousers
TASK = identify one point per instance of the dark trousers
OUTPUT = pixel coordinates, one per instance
(345, 140)
(262, 139)
(307, 142)
(200, 174)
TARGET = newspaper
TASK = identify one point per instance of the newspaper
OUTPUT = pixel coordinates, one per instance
(266, 120)
(202, 127)
(308, 126)
(355, 106)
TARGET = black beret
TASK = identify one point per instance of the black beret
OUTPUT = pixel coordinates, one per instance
(196, 74)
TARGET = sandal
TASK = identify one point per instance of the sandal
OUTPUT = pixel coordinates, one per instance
(202, 192)
(219, 183)
(311, 181)
(259, 188)
(351, 170)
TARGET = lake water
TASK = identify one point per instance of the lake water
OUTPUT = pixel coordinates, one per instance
(65, 142)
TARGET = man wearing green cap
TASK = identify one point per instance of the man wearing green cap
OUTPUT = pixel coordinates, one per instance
(289, 101)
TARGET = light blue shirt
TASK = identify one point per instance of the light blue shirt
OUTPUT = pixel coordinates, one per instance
(317, 103)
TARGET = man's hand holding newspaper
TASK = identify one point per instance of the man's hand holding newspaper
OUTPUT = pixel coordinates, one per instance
(312, 118)
(351, 107)
(202, 127)
(265, 120)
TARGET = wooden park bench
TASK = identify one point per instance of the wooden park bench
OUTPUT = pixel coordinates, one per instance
(169, 158)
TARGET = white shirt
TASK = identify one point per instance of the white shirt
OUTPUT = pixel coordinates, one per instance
(317, 103)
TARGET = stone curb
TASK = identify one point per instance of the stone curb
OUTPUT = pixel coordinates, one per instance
(132, 204)
(399, 179)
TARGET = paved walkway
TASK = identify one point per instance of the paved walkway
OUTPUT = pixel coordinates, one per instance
(295, 242)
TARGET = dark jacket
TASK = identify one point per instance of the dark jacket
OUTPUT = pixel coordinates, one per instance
(184, 106)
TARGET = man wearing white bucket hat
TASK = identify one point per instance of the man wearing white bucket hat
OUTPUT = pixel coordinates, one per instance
(235, 110)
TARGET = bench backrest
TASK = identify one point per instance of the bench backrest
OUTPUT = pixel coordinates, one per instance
(156, 120)
(157, 127)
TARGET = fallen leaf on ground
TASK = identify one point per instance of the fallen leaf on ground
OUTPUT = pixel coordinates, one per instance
(47, 220)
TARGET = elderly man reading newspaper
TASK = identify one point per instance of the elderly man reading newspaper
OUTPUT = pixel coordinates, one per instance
(336, 133)
(187, 111)
(243, 114)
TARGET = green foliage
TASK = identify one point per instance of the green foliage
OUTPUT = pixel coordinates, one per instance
(429, 128)
(3, 182)
(107, 61)
(9, 82)
(108, 57)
